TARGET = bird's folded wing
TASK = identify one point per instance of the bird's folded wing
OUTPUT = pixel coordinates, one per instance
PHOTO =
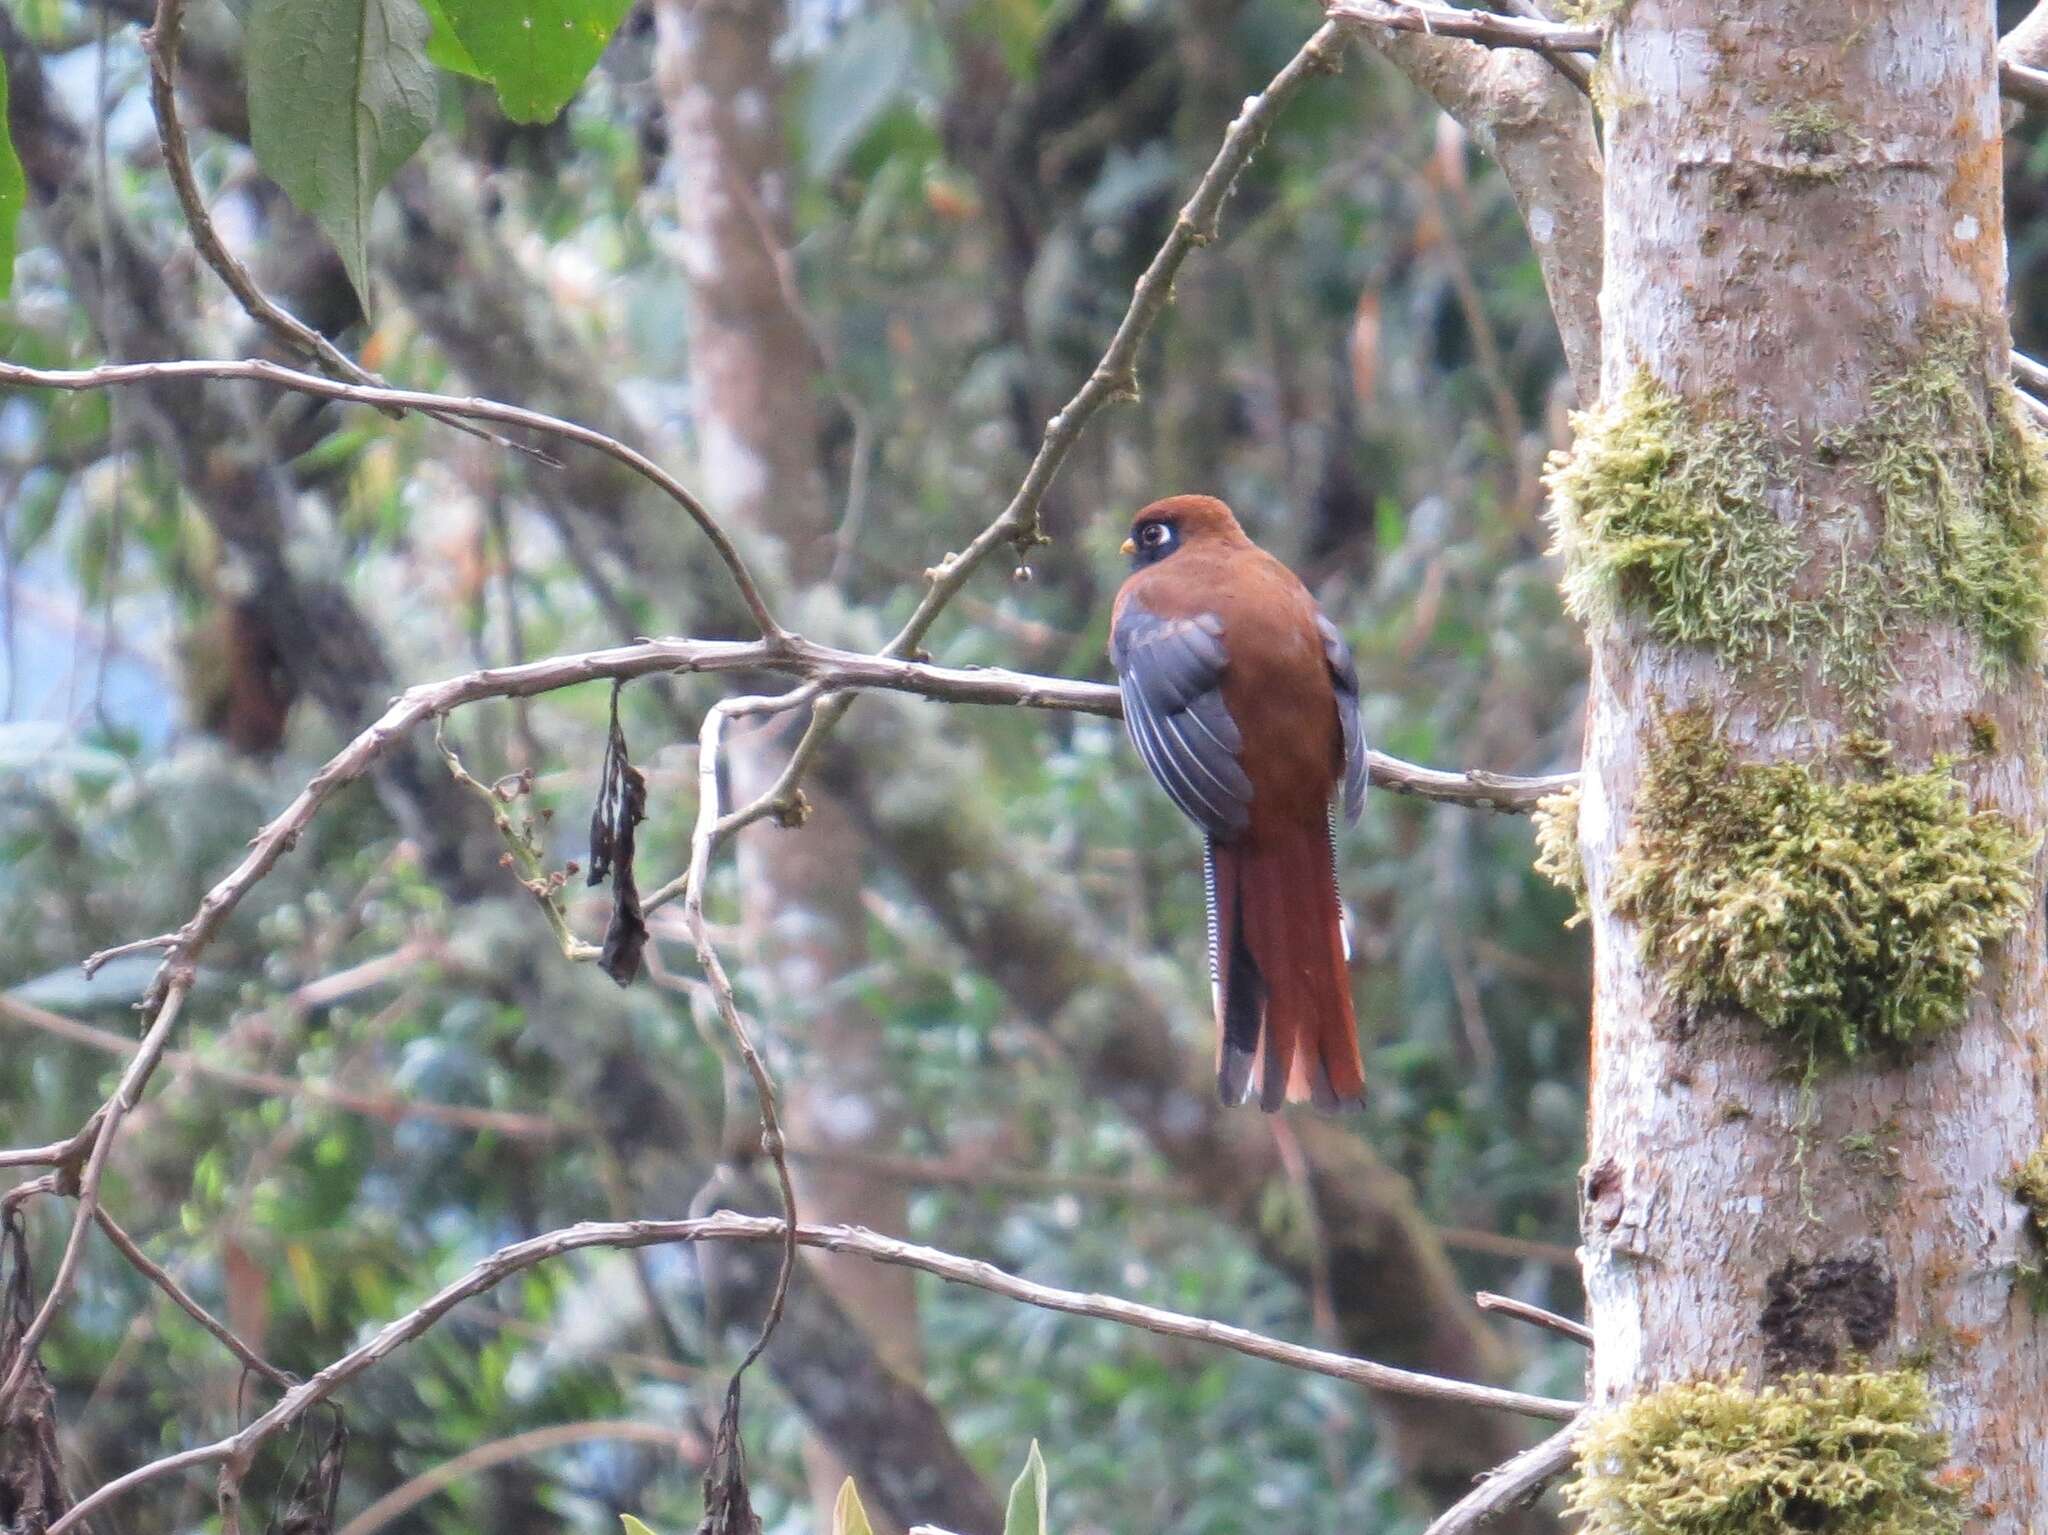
(1344, 677)
(1169, 670)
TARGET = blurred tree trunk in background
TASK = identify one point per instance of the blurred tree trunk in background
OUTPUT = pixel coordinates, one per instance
(755, 376)
(1805, 315)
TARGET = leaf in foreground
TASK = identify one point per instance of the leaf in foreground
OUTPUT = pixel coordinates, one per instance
(340, 95)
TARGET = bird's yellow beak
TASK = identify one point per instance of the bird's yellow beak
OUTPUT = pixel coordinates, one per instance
(1130, 546)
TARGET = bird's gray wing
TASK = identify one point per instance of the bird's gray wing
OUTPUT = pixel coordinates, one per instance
(1170, 672)
(1344, 675)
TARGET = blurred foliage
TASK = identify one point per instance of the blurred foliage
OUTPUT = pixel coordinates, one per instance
(977, 184)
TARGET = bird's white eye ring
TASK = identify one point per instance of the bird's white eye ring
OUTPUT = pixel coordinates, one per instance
(1154, 535)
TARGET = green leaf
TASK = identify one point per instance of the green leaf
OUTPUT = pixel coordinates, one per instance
(867, 68)
(536, 52)
(634, 1526)
(13, 191)
(1026, 1515)
(340, 95)
(848, 1517)
(444, 48)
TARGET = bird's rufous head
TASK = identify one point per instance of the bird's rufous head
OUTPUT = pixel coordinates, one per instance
(1168, 525)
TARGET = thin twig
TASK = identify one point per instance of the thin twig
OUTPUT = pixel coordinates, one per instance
(704, 842)
(109, 1119)
(535, 1441)
(729, 1226)
(1572, 67)
(258, 370)
(35, 1156)
(1473, 26)
(1523, 1311)
(2017, 79)
(1513, 1484)
(160, 44)
(386, 1107)
(152, 1271)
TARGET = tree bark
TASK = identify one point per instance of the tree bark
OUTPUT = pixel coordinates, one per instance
(1803, 200)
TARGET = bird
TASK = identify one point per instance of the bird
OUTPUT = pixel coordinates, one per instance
(1242, 698)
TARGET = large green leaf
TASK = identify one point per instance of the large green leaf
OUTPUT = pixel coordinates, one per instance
(340, 95)
(444, 48)
(867, 68)
(13, 191)
(634, 1526)
(536, 52)
(1026, 1515)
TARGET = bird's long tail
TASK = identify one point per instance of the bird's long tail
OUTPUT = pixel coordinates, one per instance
(1284, 1024)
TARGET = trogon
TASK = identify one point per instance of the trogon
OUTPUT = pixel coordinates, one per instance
(1242, 698)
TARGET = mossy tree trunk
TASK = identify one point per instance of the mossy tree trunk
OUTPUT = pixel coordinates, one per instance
(1805, 529)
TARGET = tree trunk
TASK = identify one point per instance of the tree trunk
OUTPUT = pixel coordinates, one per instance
(1805, 528)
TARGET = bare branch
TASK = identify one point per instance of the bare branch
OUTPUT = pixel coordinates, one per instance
(1484, 27)
(35, 1156)
(1571, 66)
(257, 370)
(1523, 1311)
(2022, 56)
(1513, 1484)
(704, 843)
(237, 1449)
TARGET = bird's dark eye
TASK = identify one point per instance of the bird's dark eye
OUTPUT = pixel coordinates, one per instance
(1154, 535)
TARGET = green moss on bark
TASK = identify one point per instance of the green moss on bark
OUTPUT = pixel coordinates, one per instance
(1846, 916)
(1811, 1455)
(2029, 1186)
(1665, 513)
(1658, 513)
(1557, 846)
(1963, 490)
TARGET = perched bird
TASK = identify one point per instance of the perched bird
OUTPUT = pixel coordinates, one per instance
(1243, 700)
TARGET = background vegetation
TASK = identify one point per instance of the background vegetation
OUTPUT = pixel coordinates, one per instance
(1365, 367)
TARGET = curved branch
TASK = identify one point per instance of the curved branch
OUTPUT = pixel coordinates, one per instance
(238, 1448)
(112, 375)
(1483, 27)
(157, 1275)
(1513, 1484)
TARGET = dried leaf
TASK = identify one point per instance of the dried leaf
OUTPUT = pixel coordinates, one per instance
(310, 1510)
(31, 1474)
(621, 806)
(728, 1507)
